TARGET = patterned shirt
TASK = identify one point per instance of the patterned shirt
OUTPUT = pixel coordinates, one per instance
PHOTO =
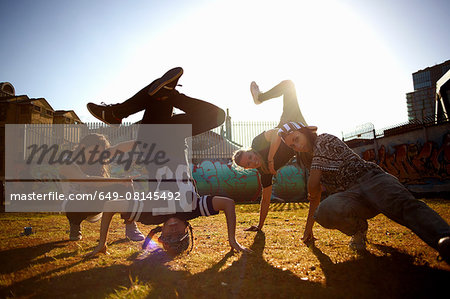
(340, 165)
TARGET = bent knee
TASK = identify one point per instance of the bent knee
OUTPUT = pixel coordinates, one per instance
(288, 84)
(220, 116)
(323, 215)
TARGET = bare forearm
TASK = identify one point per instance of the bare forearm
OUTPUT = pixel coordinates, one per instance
(312, 209)
(264, 206)
(230, 215)
(125, 147)
(274, 145)
(104, 227)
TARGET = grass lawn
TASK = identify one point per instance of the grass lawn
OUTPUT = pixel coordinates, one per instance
(397, 264)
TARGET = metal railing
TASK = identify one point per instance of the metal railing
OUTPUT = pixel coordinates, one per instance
(219, 143)
(368, 131)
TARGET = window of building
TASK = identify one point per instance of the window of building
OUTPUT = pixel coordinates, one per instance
(445, 68)
(421, 80)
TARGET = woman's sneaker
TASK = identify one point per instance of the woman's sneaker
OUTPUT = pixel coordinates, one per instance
(75, 232)
(167, 82)
(94, 218)
(358, 241)
(444, 249)
(133, 233)
(104, 113)
(254, 89)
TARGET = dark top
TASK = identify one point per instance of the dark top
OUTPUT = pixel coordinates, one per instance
(281, 157)
(202, 206)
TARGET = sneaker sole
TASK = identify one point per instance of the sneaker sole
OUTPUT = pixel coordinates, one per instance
(173, 74)
(256, 101)
(100, 119)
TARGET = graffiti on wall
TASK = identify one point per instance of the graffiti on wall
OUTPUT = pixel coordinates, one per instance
(415, 163)
(225, 179)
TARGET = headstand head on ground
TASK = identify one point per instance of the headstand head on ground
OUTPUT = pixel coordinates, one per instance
(176, 236)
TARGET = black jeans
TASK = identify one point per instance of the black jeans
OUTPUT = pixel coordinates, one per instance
(291, 110)
(203, 116)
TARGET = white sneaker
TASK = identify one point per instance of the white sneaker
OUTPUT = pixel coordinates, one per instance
(133, 233)
(94, 218)
(358, 241)
(254, 89)
(75, 232)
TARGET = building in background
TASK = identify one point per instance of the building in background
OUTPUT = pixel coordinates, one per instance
(66, 117)
(443, 98)
(20, 109)
(421, 103)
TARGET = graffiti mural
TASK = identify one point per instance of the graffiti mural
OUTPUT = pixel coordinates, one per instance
(225, 179)
(218, 178)
(290, 183)
(415, 163)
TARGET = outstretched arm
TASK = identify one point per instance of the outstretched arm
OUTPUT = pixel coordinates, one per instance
(263, 208)
(106, 222)
(275, 142)
(124, 147)
(74, 172)
(314, 193)
(104, 228)
(227, 205)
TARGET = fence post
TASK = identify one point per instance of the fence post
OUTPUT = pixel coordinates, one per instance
(228, 125)
(375, 143)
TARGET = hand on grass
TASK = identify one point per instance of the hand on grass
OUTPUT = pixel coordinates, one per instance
(96, 251)
(308, 237)
(239, 248)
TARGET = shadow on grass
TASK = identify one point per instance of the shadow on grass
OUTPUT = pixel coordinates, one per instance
(393, 275)
(369, 276)
(288, 206)
(17, 259)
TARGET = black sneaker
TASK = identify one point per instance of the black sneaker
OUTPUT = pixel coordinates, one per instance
(104, 113)
(167, 82)
(444, 249)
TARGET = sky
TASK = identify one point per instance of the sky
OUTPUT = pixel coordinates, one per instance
(351, 60)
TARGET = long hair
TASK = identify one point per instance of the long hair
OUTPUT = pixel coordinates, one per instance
(305, 158)
(97, 169)
(237, 157)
